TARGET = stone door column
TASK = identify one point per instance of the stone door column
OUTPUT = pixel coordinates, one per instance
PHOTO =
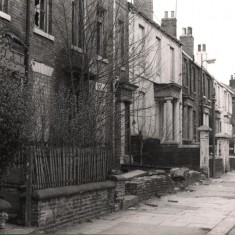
(190, 120)
(169, 119)
(176, 120)
(157, 119)
(185, 122)
(164, 122)
(204, 147)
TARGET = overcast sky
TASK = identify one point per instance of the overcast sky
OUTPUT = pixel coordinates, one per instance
(213, 23)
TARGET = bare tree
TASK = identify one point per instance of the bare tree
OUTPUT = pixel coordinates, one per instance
(101, 57)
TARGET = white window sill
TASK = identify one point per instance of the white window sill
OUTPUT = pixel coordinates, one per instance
(43, 34)
(5, 16)
(100, 58)
(76, 48)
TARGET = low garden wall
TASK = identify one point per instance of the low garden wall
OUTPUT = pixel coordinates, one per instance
(60, 207)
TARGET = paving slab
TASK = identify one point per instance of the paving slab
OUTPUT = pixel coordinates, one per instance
(135, 228)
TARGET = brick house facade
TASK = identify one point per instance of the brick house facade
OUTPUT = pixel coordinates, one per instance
(191, 75)
(57, 44)
(197, 89)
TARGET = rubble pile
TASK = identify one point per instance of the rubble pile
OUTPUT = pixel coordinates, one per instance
(183, 177)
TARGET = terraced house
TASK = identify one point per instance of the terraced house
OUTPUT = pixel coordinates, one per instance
(74, 56)
(156, 109)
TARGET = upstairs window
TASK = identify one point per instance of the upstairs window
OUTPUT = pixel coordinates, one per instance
(194, 79)
(121, 43)
(209, 88)
(101, 44)
(204, 84)
(4, 6)
(77, 23)
(142, 54)
(172, 64)
(158, 46)
(43, 15)
(185, 72)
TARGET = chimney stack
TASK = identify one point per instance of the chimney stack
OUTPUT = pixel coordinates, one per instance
(187, 40)
(145, 6)
(232, 82)
(166, 14)
(202, 55)
(169, 25)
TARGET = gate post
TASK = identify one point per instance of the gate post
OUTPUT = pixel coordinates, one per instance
(223, 149)
(204, 147)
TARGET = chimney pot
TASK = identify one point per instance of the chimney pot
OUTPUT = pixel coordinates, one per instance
(172, 14)
(190, 31)
(199, 47)
(183, 31)
(166, 14)
(231, 77)
(204, 47)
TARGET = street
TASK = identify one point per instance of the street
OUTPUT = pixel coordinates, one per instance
(202, 209)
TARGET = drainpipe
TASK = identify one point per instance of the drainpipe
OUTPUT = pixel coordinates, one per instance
(27, 41)
(28, 211)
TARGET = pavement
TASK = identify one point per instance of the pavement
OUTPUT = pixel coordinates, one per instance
(207, 208)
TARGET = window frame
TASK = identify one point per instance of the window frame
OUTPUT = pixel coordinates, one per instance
(44, 24)
(101, 48)
(4, 10)
(77, 23)
(4, 4)
(194, 79)
(172, 64)
(186, 72)
(159, 54)
(121, 42)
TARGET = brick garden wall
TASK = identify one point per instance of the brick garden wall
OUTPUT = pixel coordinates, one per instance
(146, 187)
(57, 208)
(167, 155)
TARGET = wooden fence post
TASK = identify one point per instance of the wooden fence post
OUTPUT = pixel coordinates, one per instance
(28, 205)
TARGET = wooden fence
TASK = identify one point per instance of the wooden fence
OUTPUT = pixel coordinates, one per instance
(62, 166)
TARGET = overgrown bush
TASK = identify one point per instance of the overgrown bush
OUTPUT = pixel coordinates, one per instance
(14, 107)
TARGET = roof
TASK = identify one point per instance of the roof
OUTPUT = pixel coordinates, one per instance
(231, 90)
(131, 6)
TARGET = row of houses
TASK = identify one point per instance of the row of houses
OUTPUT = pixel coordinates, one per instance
(109, 88)
(178, 95)
(137, 85)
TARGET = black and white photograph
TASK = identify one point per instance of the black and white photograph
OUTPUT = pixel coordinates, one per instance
(117, 117)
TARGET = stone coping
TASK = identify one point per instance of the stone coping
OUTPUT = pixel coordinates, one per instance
(128, 176)
(222, 136)
(204, 128)
(66, 191)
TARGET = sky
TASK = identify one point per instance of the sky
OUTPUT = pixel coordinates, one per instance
(213, 23)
